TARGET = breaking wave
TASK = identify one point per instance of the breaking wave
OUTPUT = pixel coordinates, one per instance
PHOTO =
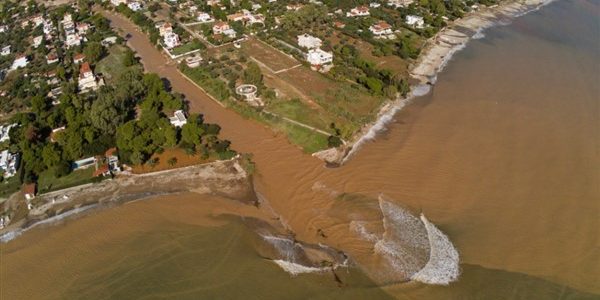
(443, 265)
(295, 269)
(412, 248)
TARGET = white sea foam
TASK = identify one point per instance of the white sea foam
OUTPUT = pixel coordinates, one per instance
(443, 265)
(8, 236)
(295, 269)
(478, 35)
(359, 228)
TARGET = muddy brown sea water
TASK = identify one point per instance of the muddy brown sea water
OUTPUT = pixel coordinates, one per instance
(502, 156)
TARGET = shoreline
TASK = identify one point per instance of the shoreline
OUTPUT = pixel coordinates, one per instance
(437, 53)
(224, 178)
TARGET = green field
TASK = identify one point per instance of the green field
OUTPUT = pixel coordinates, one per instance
(112, 66)
(185, 48)
(9, 185)
(47, 182)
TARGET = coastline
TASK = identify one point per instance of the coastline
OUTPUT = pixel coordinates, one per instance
(223, 178)
(436, 54)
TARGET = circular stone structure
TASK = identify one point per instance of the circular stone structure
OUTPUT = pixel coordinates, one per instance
(248, 91)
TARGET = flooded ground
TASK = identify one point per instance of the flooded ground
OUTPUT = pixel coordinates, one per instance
(502, 156)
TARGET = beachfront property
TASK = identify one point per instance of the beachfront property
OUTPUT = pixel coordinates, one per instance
(112, 160)
(415, 21)
(359, 11)
(20, 62)
(9, 163)
(178, 119)
(380, 29)
(29, 191)
(87, 80)
(319, 59)
(309, 42)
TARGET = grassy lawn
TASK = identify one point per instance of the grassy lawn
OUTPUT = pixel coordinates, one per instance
(111, 66)
(185, 48)
(47, 182)
(9, 186)
(299, 111)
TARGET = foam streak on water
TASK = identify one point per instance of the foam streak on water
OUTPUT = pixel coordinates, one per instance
(295, 269)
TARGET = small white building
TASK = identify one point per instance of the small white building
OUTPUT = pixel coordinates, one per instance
(359, 11)
(72, 40)
(109, 41)
(118, 2)
(193, 61)
(318, 58)
(3, 28)
(204, 17)
(37, 41)
(5, 50)
(20, 62)
(4, 130)
(171, 40)
(9, 163)
(415, 21)
(399, 3)
(134, 5)
(309, 42)
(381, 28)
(178, 119)
(164, 28)
(374, 4)
(87, 79)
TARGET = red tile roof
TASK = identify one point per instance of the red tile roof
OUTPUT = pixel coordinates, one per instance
(29, 189)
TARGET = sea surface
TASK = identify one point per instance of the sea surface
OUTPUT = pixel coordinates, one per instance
(502, 155)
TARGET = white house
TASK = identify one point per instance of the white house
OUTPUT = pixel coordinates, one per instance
(82, 28)
(319, 58)
(309, 42)
(5, 50)
(415, 21)
(20, 62)
(294, 7)
(9, 163)
(171, 40)
(178, 119)
(134, 5)
(37, 41)
(3, 28)
(4, 130)
(359, 11)
(374, 4)
(381, 28)
(204, 17)
(193, 61)
(223, 28)
(72, 40)
(87, 79)
(118, 2)
(399, 3)
(164, 28)
(109, 41)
